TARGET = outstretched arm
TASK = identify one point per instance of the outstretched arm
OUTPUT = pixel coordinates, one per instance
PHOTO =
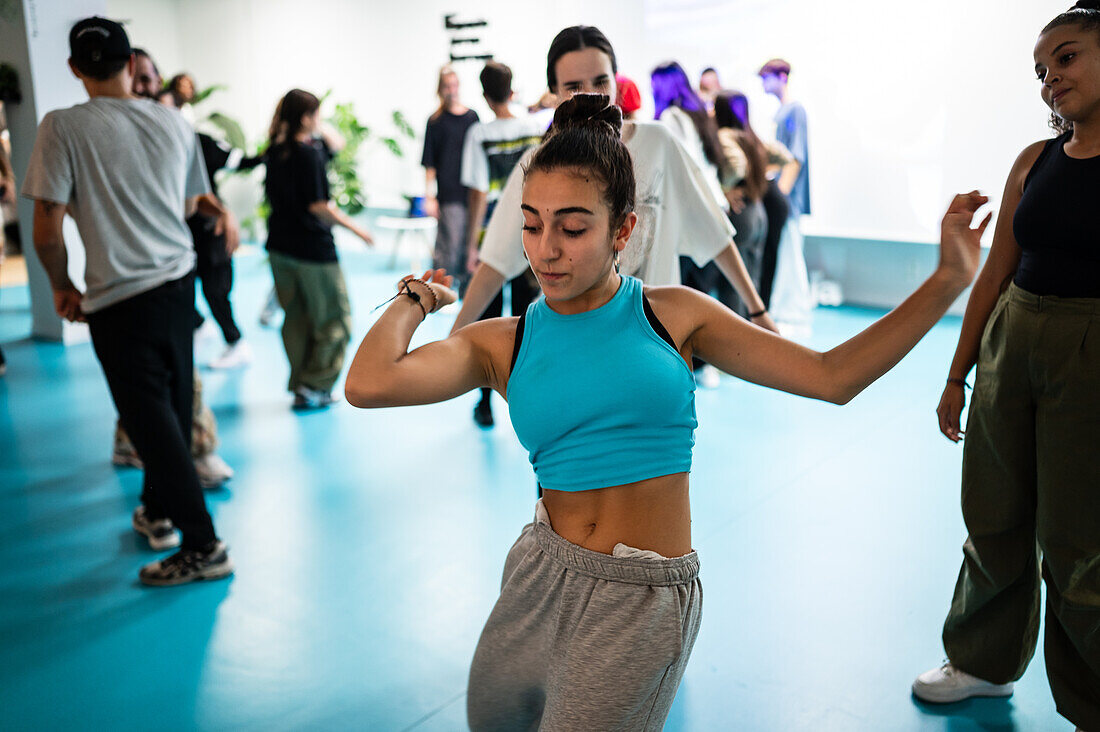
(384, 373)
(838, 375)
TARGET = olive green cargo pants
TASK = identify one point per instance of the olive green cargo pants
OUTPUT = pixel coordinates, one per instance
(317, 327)
(1031, 501)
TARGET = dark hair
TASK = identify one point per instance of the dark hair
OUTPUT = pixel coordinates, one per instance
(287, 121)
(100, 70)
(708, 70)
(576, 38)
(672, 88)
(731, 110)
(142, 52)
(585, 136)
(496, 82)
(174, 85)
(775, 66)
(1086, 16)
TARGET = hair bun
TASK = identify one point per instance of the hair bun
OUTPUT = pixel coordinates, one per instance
(1087, 5)
(588, 110)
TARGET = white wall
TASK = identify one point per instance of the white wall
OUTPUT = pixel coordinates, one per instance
(908, 103)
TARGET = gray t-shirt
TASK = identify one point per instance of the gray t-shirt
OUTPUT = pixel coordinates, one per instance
(124, 168)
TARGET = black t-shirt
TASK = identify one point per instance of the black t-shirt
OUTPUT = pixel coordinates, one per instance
(1057, 225)
(443, 151)
(215, 155)
(296, 178)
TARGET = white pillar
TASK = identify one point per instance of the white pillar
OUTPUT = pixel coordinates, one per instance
(34, 38)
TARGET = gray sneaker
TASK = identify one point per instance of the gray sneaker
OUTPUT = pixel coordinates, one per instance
(189, 565)
(160, 533)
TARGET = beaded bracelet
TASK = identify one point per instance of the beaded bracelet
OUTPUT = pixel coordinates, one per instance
(404, 289)
(428, 287)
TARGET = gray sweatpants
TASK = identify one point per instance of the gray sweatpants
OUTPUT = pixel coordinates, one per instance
(583, 641)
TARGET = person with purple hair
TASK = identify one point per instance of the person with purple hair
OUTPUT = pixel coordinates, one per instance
(751, 160)
(678, 107)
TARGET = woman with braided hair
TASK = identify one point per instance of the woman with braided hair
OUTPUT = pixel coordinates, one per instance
(1030, 476)
(600, 602)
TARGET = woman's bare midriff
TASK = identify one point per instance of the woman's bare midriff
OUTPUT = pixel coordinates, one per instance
(651, 514)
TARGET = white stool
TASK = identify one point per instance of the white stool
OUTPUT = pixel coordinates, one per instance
(424, 228)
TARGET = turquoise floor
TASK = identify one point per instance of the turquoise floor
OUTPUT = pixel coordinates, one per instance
(369, 546)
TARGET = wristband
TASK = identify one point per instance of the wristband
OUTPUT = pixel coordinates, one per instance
(758, 314)
(959, 382)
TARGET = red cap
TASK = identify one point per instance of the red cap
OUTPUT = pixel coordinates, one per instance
(629, 98)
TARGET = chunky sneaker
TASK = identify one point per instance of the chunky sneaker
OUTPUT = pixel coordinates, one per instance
(306, 398)
(160, 533)
(123, 453)
(948, 684)
(483, 413)
(237, 355)
(212, 470)
(189, 565)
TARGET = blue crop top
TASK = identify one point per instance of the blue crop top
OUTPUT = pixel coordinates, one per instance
(598, 398)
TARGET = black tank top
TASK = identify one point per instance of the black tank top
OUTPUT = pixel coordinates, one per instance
(1057, 224)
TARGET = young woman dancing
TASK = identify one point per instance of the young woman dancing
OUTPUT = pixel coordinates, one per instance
(1030, 475)
(601, 601)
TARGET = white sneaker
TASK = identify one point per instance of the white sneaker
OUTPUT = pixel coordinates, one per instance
(234, 356)
(948, 684)
(212, 470)
(709, 377)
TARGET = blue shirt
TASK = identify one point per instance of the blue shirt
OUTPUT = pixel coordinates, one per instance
(598, 399)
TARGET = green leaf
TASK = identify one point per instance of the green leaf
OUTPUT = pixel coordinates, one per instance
(200, 96)
(234, 135)
(402, 124)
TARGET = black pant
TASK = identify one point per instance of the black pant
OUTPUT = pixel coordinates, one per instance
(778, 209)
(144, 345)
(524, 290)
(214, 267)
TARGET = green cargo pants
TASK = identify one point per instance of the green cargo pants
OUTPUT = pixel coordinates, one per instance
(1031, 501)
(317, 326)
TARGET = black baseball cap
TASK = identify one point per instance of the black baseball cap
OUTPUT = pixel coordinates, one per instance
(96, 40)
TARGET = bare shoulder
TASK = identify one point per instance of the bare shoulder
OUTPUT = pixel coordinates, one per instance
(1024, 161)
(495, 338)
(680, 309)
(673, 296)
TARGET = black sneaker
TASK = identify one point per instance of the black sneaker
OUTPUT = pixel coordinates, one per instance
(306, 398)
(483, 413)
(160, 533)
(189, 565)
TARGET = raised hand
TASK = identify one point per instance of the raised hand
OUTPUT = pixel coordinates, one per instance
(440, 283)
(960, 245)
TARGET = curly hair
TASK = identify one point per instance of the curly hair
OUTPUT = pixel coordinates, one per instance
(1086, 16)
